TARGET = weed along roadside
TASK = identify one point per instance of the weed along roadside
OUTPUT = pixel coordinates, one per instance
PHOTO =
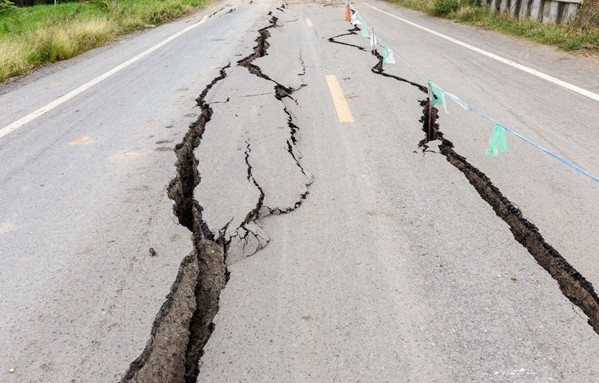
(31, 36)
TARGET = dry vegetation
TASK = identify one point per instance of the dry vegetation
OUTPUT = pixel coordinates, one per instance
(40, 34)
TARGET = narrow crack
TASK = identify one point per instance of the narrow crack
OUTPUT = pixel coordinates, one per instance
(428, 112)
(349, 33)
(215, 12)
(303, 64)
(378, 69)
(572, 284)
(244, 230)
(261, 50)
(253, 214)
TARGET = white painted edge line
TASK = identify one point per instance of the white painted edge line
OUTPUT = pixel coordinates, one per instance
(62, 99)
(564, 84)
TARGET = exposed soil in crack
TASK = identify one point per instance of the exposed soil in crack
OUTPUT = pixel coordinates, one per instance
(184, 322)
(572, 284)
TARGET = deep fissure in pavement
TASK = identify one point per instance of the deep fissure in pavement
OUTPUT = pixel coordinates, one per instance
(184, 322)
(572, 284)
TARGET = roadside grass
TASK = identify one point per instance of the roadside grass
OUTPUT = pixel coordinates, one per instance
(32, 36)
(567, 36)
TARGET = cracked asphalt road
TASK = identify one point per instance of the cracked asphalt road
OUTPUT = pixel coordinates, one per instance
(319, 251)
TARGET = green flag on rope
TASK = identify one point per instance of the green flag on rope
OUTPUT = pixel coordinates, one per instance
(364, 30)
(497, 142)
(437, 93)
(388, 55)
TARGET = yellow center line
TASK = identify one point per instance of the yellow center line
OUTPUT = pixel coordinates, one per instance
(309, 22)
(81, 140)
(343, 113)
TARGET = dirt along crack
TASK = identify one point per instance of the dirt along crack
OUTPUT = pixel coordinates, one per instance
(184, 322)
(572, 283)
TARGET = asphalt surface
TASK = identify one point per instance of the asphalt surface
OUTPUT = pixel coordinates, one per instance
(353, 255)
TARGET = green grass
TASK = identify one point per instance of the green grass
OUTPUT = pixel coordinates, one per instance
(565, 36)
(32, 36)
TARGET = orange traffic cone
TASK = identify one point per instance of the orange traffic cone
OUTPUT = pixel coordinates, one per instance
(347, 15)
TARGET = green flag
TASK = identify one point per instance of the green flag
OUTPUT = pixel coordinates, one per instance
(364, 30)
(497, 142)
(437, 93)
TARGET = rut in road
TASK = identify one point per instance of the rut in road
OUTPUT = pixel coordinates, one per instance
(572, 283)
(184, 323)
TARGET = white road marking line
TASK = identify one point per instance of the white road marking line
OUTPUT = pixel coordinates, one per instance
(343, 112)
(564, 84)
(62, 99)
(309, 22)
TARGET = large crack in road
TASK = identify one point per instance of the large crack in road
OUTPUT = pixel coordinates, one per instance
(184, 323)
(572, 283)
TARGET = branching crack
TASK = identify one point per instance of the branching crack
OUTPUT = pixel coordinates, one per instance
(280, 92)
(261, 50)
(184, 323)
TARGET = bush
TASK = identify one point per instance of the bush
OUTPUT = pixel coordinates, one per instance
(588, 15)
(6, 4)
(445, 7)
(27, 3)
